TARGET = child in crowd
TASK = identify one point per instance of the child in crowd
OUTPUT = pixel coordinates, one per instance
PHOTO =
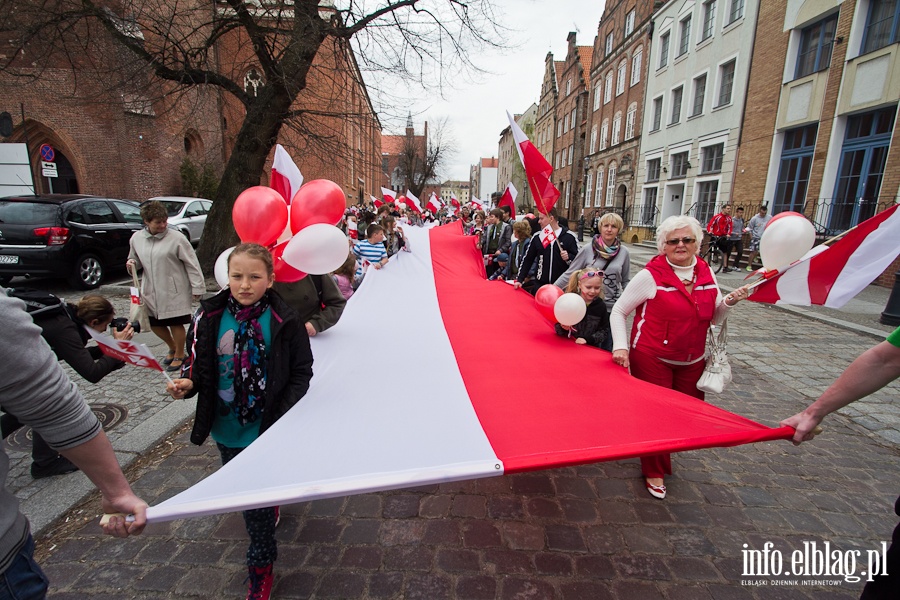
(343, 277)
(394, 238)
(501, 262)
(250, 362)
(370, 251)
(594, 327)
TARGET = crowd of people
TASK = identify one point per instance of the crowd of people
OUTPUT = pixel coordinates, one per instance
(247, 356)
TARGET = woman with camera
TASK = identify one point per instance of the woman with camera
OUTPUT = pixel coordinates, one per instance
(64, 331)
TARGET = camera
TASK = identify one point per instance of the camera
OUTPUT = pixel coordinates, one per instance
(121, 323)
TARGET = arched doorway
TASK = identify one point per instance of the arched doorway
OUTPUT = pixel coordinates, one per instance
(65, 182)
(36, 134)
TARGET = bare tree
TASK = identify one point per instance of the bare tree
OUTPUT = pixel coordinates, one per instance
(422, 157)
(161, 49)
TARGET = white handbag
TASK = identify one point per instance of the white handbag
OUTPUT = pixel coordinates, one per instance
(137, 313)
(717, 373)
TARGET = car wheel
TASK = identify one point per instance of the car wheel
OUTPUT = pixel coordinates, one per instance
(88, 272)
(185, 233)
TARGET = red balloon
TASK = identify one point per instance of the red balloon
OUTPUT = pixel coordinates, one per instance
(545, 299)
(283, 271)
(317, 201)
(259, 215)
(787, 213)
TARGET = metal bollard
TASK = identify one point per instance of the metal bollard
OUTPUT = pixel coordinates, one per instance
(891, 314)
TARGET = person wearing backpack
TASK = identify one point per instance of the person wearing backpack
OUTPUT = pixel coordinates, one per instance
(62, 326)
(317, 299)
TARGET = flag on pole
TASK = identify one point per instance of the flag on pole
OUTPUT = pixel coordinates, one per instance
(390, 196)
(434, 204)
(509, 199)
(286, 178)
(537, 169)
(378, 203)
(476, 203)
(126, 351)
(547, 236)
(454, 201)
(413, 202)
(832, 275)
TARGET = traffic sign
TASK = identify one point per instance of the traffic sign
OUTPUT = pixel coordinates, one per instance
(47, 152)
(48, 169)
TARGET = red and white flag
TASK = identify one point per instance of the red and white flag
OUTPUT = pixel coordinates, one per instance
(390, 196)
(537, 169)
(547, 236)
(286, 178)
(413, 202)
(454, 201)
(832, 275)
(352, 228)
(509, 199)
(126, 351)
(378, 203)
(434, 204)
(476, 203)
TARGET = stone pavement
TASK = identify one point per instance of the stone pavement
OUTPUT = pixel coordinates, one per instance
(584, 532)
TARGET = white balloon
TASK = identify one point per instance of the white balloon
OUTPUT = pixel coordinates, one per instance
(786, 240)
(316, 249)
(221, 268)
(569, 309)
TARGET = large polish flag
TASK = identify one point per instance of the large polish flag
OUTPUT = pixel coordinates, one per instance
(455, 419)
(509, 199)
(286, 178)
(537, 169)
(832, 275)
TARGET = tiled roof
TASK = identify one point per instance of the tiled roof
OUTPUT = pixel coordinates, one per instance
(392, 144)
(586, 54)
(490, 163)
(560, 66)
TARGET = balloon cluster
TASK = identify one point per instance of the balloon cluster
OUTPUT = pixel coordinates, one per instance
(314, 244)
(558, 307)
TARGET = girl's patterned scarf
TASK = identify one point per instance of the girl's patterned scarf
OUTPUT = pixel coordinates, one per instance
(249, 360)
(607, 252)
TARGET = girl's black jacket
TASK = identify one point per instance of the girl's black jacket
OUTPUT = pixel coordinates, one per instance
(288, 368)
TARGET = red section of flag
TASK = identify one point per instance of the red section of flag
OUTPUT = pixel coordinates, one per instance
(533, 429)
(390, 196)
(508, 199)
(126, 351)
(538, 172)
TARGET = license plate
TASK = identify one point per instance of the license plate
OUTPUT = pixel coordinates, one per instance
(7, 259)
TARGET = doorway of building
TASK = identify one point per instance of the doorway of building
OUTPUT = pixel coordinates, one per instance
(65, 182)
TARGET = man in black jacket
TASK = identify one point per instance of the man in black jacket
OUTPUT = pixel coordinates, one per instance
(553, 247)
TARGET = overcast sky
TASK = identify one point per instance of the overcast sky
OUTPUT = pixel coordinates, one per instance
(477, 112)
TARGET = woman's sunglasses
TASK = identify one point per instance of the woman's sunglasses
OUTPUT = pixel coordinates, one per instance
(685, 241)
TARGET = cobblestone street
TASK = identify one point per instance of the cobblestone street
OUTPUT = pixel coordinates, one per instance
(588, 532)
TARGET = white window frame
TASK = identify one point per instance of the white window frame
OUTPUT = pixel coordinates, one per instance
(621, 71)
(604, 134)
(636, 61)
(558, 128)
(565, 156)
(588, 180)
(598, 191)
(607, 88)
(708, 27)
(568, 190)
(597, 96)
(611, 183)
(566, 123)
(721, 81)
(684, 36)
(658, 107)
(572, 118)
(593, 139)
(629, 23)
(630, 117)
(609, 43)
(735, 11)
(571, 153)
(677, 102)
(616, 129)
(568, 86)
(705, 77)
(665, 43)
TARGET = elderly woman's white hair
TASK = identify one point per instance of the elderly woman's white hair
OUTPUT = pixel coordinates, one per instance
(675, 222)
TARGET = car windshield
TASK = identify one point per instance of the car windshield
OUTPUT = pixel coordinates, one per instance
(173, 207)
(27, 213)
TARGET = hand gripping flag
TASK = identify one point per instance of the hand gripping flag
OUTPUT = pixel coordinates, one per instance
(831, 275)
(126, 351)
(537, 169)
(286, 177)
(413, 202)
(509, 199)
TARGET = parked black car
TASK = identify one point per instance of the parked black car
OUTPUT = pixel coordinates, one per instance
(60, 235)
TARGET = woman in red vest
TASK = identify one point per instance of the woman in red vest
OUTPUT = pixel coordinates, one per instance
(675, 299)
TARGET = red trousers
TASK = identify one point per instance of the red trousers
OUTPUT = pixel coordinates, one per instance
(681, 378)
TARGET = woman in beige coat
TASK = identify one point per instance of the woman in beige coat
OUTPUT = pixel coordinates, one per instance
(172, 278)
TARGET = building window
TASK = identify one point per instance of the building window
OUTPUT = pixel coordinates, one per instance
(793, 173)
(648, 210)
(607, 88)
(684, 40)
(565, 155)
(657, 113)
(653, 169)
(629, 121)
(629, 22)
(707, 192)
(593, 139)
(664, 50)
(587, 189)
(604, 134)
(699, 95)
(711, 158)
(620, 78)
(679, 165)
(558, 128)
(677, 94)
(566, 123)
(726, 85)
(568, 87)
(881, 24)
(572, 119)
(609, 42)
(556, 162)
(598, 193)
(597, 96)
(736, 11)
(636, 61)
(709, 19)
(816, 42)
(616, 128)
(571, 153)
(611, 184)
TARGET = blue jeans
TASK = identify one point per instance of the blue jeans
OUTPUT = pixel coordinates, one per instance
(24, 579)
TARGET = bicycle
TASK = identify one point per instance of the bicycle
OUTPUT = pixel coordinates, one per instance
(713, 255)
